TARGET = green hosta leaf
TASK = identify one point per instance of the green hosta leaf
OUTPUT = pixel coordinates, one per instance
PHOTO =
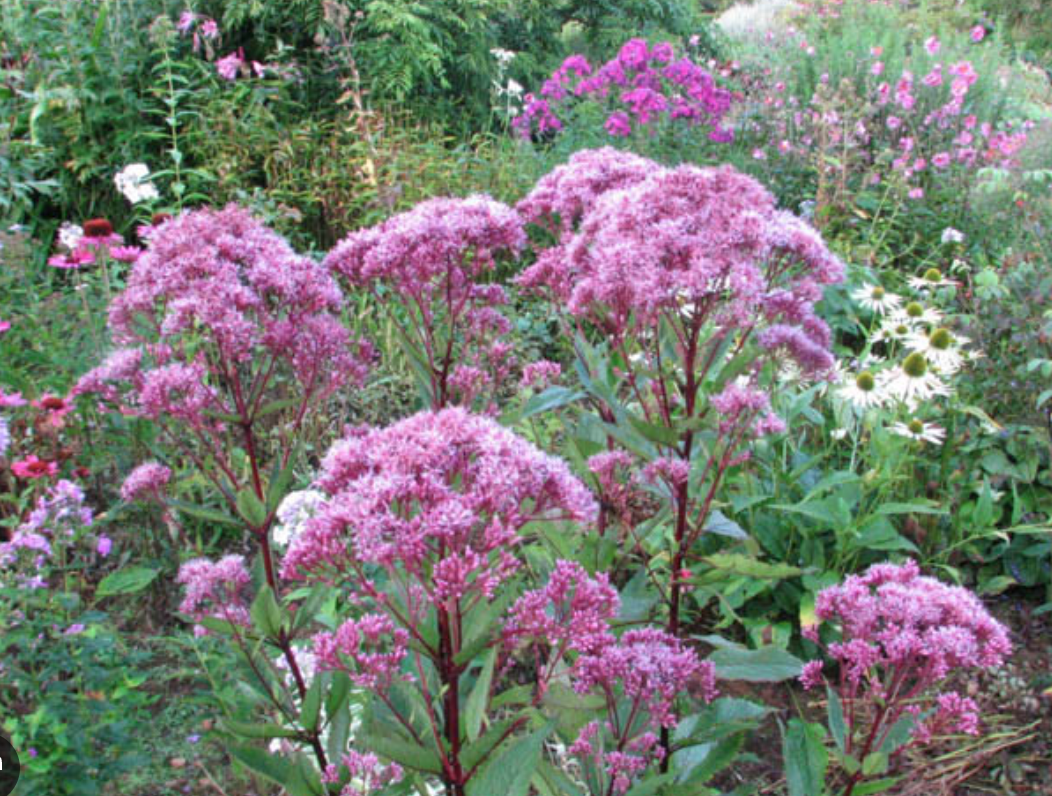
(509, 773)
(125, 581)
(805, 758)
(765, 665)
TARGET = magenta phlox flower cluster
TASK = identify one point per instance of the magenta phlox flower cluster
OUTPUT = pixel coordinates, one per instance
(571, 612)
(369, 650)
(367, 774)
(222, 276)
(902, 633)
(58, 520)
(640, 86)
(146, 482)
(435, 259)
(440, 492)
(215, 589)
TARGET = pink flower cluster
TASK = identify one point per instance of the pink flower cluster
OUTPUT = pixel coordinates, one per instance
(216, 590)
(640, 86)
(222, 279)
(639, 675)
(365, 773)
(440, 496)
(902, 634)
(146, 482)
(358, 648)
(918, 125)
(686, 243)
(435, 260)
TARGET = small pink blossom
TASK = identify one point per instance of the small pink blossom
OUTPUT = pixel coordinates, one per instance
(932, 45)
(229, 66)
(977, 34)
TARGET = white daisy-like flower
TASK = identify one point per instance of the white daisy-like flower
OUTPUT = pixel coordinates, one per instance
(863, 391)
(929, 280)
(838, 433)
(69, 235)
(916, 314)
(941, 348)
(913, 381)
(919, 431)
(895, 329)
(876, 299)
(951, 235)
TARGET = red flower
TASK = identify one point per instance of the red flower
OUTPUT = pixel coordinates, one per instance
(33, 467)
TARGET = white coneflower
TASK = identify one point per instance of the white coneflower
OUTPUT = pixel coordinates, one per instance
(929, 280)
(895, 329)
(941, 348)
(919, 431)
(916, 313)
(913, 381)
(876, 299)
(862, 391)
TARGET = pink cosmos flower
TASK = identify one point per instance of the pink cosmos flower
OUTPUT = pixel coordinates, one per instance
(104, 546)
(209, 29)
(186, 21)
(77, 258)
(978, 33)
(932, 45)
(11, 400)
(4, 326)
(877, 69)
(941, 160)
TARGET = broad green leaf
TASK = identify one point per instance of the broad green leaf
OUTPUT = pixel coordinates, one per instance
(266, 613)
(405, 753)
(475, 708)
(721, 525)
(251, 508)
(248, 729)
(765, 665)
(509, 773)
(262, 762)
(835, 711)
(749, 567)
(311, 705)
(805, 758)
(125, 581)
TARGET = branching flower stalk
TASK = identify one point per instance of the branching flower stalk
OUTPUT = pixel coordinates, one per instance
(229, 338)
(697, 284)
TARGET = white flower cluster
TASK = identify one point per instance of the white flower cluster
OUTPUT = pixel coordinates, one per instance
(134, 182)
(293, 513)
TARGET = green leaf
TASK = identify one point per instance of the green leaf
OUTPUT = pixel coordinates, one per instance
(204, 513)
(129, 580)
(479, 696)
(509, 774)
(898, 734)
(248, 729)
(805, 758)
(251, 508)
(749, 567)
(835, 710)
(919, 507)
(765, 665)
(266, 613)
(552, 398)
(721, 525)
(876, 786)
(405, 753)
(259, 761)
(652, 785)
(311, 705)
(874, 763)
